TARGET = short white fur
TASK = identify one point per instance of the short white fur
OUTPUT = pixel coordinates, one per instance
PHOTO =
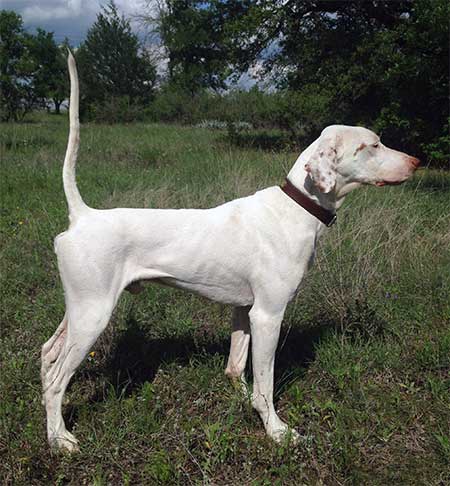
(251, 253)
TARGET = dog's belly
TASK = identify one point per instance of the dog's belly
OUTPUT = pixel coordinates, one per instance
(238, 295)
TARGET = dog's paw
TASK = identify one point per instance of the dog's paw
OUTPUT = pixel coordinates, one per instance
(286, 435)
(64, 442)
(281, 433)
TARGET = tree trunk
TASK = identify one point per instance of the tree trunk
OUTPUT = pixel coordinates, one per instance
(57, 106)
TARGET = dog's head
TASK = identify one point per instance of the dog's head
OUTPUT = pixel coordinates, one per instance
(346, 155)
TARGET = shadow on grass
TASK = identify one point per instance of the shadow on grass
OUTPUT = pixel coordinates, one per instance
(136, 358)
(297, 349)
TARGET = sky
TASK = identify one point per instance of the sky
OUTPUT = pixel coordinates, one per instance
(66, 18)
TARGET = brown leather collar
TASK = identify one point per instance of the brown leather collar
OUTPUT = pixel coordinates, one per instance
(327, 217)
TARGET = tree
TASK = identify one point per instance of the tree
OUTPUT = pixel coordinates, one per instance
(379, 63)
(383, 64)
(33, 69)
(416, 110)
(61, 88)
(199, 46)
(51, 81)
(17, 67)
(112, 62)
(198, 38)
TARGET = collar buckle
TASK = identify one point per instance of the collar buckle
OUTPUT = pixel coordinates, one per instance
(332, 221)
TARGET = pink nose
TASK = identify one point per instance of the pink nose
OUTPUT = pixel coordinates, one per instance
(414, 162)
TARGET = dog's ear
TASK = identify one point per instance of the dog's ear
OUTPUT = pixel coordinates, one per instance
(321, 166)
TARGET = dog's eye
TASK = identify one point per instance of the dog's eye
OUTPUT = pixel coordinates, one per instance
(376, 145)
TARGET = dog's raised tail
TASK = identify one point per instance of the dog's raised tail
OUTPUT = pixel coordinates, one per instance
(73, 196)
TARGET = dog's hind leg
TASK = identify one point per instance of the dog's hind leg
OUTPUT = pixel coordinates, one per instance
(51, 350)
(62, 354)
(240, 340)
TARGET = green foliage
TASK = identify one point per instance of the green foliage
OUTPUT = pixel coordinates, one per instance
(51, 78)
(380, 64)
(383, 63)
(116, 109)
(438, 151)
(17, 68)
(113, 66)
(173, 105)
(195, 35)
(32, 69)
(301, 115)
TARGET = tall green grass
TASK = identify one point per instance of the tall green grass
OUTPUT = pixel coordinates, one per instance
(363, 361)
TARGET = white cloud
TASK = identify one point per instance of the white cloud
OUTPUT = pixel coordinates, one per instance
(43, 13)
(71, 18)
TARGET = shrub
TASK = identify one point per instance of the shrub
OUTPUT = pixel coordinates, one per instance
(116, 109)
(396, 129)
(170, 105)
(173, 104)
(438, 151)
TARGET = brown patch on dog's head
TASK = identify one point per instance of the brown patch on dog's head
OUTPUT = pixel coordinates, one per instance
(361, 147)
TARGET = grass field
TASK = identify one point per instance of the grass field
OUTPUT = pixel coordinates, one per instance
(363, 362)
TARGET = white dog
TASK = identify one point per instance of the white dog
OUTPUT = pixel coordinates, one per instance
(251, 253)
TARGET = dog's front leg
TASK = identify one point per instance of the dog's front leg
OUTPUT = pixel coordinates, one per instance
(265, 330)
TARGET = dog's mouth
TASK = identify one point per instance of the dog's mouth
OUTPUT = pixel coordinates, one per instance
(389, 183)
(394, 182)
(400, 175)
